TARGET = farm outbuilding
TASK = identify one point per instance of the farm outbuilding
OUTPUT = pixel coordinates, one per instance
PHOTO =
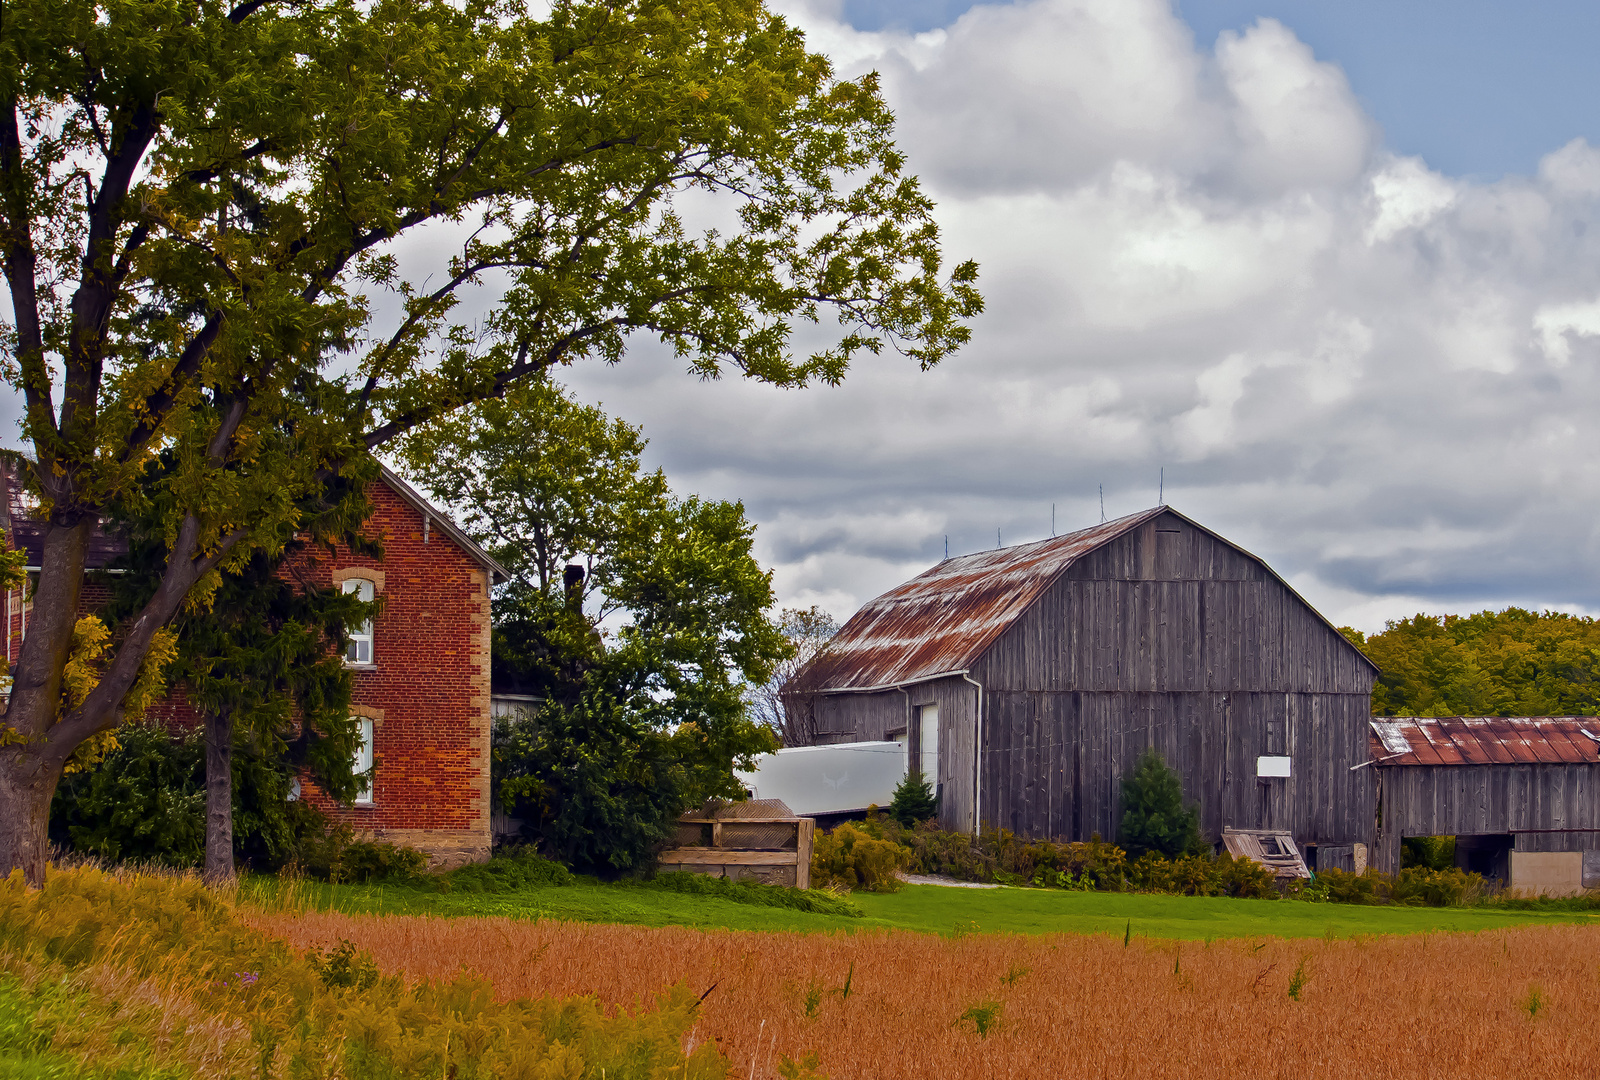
(1521, 795)
(1027, 680)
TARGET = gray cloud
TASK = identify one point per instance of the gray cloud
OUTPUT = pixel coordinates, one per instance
(1376, 377)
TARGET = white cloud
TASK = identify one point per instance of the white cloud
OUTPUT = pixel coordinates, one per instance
(1195, 257)
(1553, 322)
(1298, 124)
(1408, 196)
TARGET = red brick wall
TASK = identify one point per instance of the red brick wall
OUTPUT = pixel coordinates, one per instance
(427, 688)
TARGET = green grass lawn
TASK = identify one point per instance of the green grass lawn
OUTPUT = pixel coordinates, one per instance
(937, 909)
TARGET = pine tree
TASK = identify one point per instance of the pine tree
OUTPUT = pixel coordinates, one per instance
(1153, 815)
(263, 662)
(914, 800)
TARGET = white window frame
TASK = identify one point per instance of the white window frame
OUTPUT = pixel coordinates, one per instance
(360, 636)
(363, 759)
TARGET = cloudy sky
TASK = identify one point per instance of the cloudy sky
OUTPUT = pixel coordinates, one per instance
(1330, 267)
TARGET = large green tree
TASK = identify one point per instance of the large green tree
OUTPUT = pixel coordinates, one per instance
(239, 233)
(639, 618)
(1492, 663)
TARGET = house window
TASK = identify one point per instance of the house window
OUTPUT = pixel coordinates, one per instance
(361, 763)
(360, 636)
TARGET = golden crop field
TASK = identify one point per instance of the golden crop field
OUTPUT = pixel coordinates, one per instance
(1501, 1003)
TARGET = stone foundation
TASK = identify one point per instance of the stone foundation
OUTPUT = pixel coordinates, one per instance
(446, 848)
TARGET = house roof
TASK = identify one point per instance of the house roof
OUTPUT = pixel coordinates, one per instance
(27, 534)
(940, 622)
(1485, 740)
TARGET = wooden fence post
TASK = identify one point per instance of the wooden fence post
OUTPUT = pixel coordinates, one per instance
(805, 831)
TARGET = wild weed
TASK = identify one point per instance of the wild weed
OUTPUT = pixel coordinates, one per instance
(1014, 975)
(1301, 976)
(811, 1002)
(1535, 1001)
(984, 1017)
(804, 1069)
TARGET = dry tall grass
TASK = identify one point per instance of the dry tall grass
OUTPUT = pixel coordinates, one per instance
(1492, 1004)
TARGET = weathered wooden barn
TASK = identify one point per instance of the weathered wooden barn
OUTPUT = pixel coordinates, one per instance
(1521, 795)
(1027, 680)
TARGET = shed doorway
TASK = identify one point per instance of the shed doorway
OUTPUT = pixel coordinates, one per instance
(1486, 854)
(928, 744)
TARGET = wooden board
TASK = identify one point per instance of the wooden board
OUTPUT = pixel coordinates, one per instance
(728, 857)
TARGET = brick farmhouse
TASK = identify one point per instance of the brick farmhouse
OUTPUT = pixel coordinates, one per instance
(421, 669)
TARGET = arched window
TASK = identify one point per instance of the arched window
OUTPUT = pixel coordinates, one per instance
(360, 651)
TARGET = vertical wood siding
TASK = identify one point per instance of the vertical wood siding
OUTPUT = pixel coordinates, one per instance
(1467, 800)
(870, 717)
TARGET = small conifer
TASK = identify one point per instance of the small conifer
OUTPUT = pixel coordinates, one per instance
(1153, 815)
(913, 800)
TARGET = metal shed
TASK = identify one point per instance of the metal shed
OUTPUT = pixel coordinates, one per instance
(1520, 794)
(1031, 678)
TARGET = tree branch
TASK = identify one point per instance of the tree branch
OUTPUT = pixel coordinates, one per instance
(159, 404)
(21, 270)
(92, 302)
(98, 712)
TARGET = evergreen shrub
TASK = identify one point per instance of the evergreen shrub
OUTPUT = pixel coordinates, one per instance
(508, 871)
(144, 802)
(914, 800)
(1153, 815)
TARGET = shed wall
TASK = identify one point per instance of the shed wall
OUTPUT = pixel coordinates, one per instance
(1468, 800)
(868, 717)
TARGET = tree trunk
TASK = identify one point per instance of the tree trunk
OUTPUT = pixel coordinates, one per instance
(27, 785)
(219, 797)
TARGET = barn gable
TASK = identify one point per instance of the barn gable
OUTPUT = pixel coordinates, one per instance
(943, 621)
(1166, 605)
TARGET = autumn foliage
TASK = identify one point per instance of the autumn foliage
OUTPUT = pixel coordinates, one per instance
(1493, 663)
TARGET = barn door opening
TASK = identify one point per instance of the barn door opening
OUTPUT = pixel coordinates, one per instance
(928, 744)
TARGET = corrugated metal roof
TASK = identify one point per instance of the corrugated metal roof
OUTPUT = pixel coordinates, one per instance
(1484, 740)
(942, 620)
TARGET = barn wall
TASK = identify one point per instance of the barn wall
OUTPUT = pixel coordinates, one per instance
(1170, 638)
(1466, 800)
(1054, 762)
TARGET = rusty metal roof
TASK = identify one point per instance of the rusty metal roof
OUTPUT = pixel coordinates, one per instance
(941, 621)
(1484, 740)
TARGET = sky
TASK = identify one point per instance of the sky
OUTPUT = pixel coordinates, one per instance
(1327, 268)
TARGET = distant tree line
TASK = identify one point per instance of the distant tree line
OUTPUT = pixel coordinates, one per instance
(1493, 663)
